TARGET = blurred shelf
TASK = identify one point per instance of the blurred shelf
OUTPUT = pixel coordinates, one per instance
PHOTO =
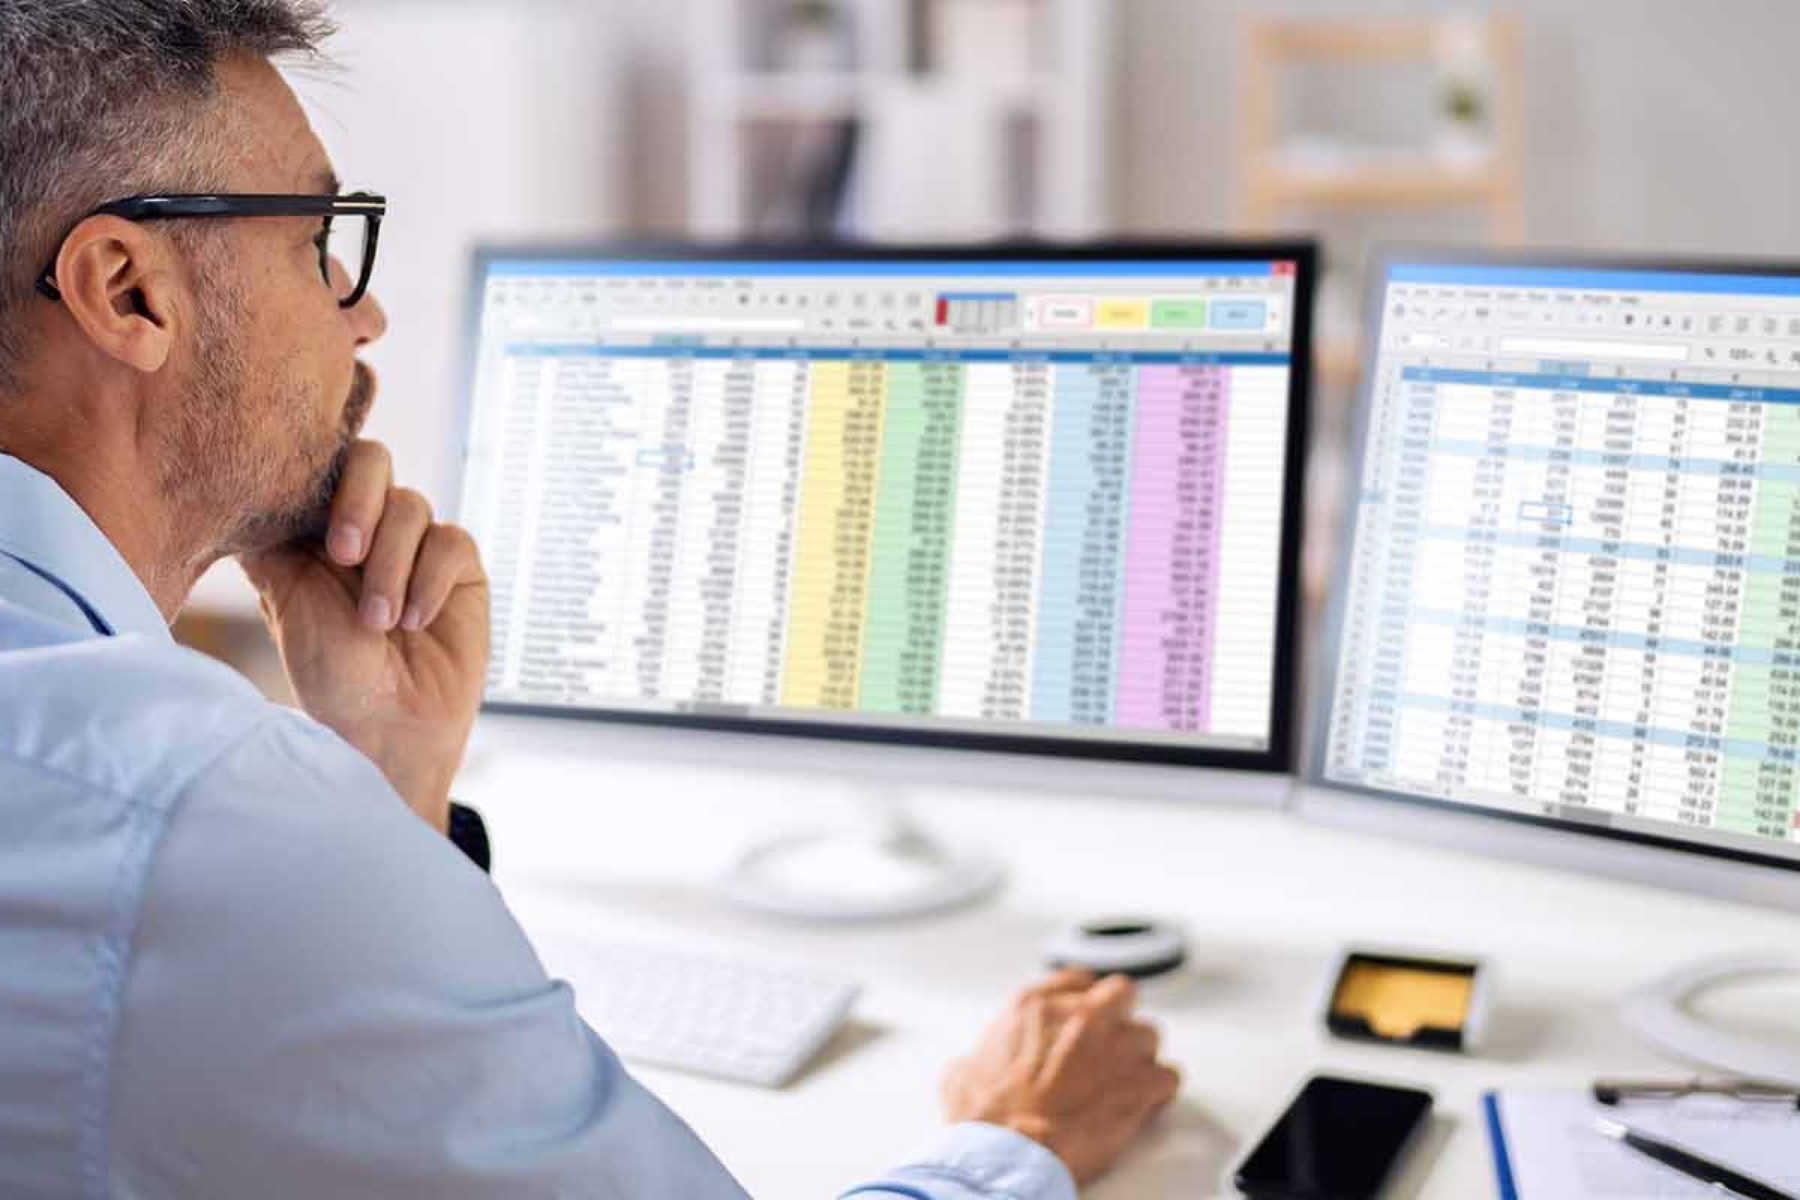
(1381, 38)
(1019, 128)
(808, 96)
(787, 95)
(1393, 184)
(1271, 182)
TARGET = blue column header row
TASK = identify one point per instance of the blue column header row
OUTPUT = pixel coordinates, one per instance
(829, 353)
(1610, 387)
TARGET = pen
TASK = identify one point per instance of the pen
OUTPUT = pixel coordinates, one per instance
(1613, 1092)
(1689, 1163)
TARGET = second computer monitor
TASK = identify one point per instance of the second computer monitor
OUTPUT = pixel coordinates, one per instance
(1571, 593)
(1023, 499)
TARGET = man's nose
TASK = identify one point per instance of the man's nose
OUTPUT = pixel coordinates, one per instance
(367, 318)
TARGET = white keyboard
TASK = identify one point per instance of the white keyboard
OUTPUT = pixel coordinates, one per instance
(744, 1020)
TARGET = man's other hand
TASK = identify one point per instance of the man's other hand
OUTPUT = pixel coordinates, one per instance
(384, 630)
(1068, 1066)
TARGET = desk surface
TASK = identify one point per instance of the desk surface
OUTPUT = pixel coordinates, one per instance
(588, 827)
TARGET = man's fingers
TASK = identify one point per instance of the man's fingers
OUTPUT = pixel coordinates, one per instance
(1139, 1041)
(1069, 979)
(447, 559)
(1167, 1085)
(362, 496)
(1157, 1088)
(1069, 1040)
(389, 565)
(1034, 1029)
(1140, 1092)
(1112, 997)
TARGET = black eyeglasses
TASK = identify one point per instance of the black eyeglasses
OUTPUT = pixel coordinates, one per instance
(352, 226)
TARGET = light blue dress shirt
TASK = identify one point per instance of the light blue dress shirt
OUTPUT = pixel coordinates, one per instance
(233, 963)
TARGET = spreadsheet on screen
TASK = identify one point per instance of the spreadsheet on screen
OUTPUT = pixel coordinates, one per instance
(1029, 497)
(1573, 589)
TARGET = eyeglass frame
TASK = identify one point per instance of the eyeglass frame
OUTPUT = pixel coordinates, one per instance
(244, 204)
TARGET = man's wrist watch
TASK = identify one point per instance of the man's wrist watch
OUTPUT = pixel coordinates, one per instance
(468, 832)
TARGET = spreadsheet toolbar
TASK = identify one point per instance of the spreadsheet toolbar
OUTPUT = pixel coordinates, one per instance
(1574, 582)
(1029, 502)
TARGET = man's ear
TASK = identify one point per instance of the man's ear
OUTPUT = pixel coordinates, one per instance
(120, 284)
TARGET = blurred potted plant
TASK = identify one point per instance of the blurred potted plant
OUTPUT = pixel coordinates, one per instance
(1462, 135)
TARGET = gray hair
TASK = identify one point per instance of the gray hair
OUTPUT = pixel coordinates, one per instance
(101, 99)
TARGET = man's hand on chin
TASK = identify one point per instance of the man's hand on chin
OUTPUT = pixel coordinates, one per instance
(384, 629)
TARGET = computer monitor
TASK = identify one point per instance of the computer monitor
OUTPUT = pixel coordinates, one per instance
(1569, 596)
(1024, 499)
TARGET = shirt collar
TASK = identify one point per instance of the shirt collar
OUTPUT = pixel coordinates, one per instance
(43, 527)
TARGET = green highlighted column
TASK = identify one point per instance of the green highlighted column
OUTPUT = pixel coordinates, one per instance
(914, 517)
(1758, 794)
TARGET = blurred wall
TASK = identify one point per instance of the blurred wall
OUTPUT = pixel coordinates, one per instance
(1650, 124)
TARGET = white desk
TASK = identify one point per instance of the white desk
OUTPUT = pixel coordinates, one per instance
(585, 827)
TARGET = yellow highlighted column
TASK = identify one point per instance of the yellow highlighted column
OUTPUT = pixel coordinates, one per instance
(829, 593)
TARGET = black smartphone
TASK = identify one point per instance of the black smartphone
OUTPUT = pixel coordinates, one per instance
(1338, 1140)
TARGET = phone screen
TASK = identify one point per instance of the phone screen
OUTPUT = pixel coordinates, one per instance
(1338, 1140)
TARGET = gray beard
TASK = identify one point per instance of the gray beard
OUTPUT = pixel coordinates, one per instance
(305, 517)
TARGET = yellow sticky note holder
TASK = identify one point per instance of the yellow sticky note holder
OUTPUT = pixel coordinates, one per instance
(1404, 999)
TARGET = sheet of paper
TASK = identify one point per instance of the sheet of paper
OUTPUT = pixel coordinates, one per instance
(1557, 1155)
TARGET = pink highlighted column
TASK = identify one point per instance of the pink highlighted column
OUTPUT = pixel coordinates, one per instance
(1171, 584)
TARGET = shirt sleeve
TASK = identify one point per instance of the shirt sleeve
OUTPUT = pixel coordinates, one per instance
(325, 998)
(976, 1161)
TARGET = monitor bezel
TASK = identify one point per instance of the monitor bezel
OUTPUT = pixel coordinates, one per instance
(1323, 676)
(1281, 753)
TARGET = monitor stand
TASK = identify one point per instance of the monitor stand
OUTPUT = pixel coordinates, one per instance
(885, 866)
(870, 859)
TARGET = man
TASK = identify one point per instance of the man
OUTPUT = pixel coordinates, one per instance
(238, 954)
